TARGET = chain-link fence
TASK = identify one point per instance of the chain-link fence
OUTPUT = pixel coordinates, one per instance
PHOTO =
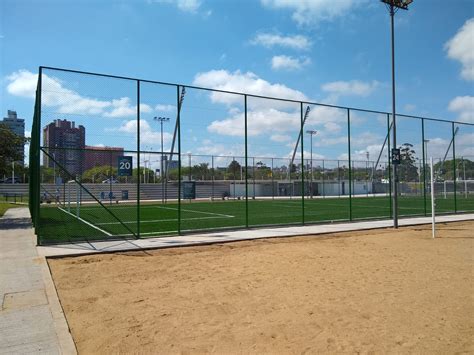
(115, 157)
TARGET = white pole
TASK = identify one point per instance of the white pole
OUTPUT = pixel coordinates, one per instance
(13, 172)
(445, 194)
(433, 204)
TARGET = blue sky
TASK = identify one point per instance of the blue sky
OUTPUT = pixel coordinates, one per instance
(327, 51)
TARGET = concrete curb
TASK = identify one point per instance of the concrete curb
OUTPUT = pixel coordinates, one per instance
(89, 248)
(66, 342)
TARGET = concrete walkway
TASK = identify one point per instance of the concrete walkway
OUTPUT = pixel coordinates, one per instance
(82, 248)
(31, 318)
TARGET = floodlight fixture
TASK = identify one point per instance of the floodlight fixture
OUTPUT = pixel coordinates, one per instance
(399, 4)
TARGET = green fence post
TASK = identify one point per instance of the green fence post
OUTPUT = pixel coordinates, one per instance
(38, 156)
(138, 159)
(302, 163)
(246, 167)
(389, 166)
(338, 180)
(273, 183)
(178, 124)
(454, 167)
(212, 177)
(350, 164)
(424, 162)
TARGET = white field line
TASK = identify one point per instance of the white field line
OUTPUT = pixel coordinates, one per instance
(163, 220)
(84, 221)
(186, 210)
(308, 205)
(168, 208)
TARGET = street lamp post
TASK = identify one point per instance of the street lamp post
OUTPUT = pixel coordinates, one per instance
(311, 133)
(162, 120)
(393, 6)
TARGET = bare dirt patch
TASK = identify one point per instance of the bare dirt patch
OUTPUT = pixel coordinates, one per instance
(371, 291)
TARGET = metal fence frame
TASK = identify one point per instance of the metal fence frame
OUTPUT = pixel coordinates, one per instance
(36, 147)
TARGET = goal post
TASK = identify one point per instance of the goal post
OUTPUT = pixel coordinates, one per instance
(74, 196)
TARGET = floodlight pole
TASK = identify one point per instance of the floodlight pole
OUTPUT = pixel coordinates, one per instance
(161, 120)
(393, 5)
(394, 128)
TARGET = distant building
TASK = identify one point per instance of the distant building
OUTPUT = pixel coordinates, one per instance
(66, 144)
(101, 156)
(17, 126)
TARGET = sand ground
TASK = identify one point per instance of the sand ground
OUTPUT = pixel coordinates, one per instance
(380, 291)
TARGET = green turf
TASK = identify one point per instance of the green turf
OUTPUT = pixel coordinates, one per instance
(96, 222)
(5, 206)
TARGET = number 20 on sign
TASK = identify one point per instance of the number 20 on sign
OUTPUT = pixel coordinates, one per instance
(125, 166)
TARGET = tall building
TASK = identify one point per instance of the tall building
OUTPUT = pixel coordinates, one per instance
(66, 143)
(101, 156)
(17, 126)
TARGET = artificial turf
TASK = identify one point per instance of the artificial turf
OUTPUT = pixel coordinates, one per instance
(90, 222)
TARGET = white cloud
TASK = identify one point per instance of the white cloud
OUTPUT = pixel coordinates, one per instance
(436, 147)
(373, 150)
(464, 106)
(209, 147)
(326, 116)
(310, 12)
(270, 40)
(348, 88)
(165, 108)
(332, 127)
(464, 144)
(283, 62)
(23, 83)
(184, 5)
(243, 82)
(122, 108)
(147, 134)
(188, 5)
(264, 121)
(307, 155)
(280, 138)
(409, 107)
(461, 48)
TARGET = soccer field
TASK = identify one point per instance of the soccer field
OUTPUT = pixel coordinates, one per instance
(93, 221)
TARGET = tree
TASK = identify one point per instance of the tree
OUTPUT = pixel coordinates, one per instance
(201, 171)
(233, 170)
(145, 174)
(444, 171)
(9, 152)
(99, 173)
(407, 170)
(263, 172)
